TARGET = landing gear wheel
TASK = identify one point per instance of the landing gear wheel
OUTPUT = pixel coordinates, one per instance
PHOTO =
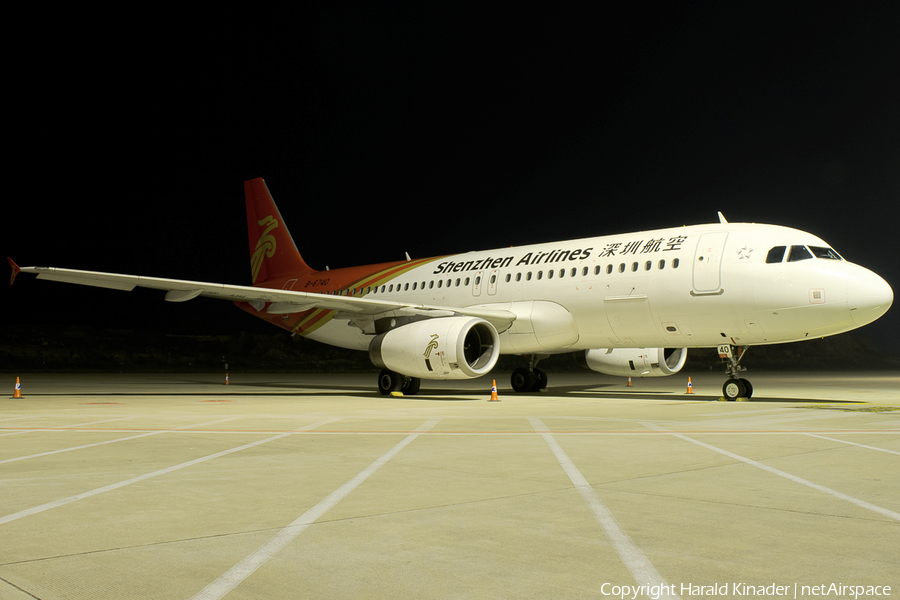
(522, 380)
(388, 382)
(734, 389)
(540, 380)
(410, 386)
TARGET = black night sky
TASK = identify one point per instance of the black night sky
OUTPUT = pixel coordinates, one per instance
(433, 128)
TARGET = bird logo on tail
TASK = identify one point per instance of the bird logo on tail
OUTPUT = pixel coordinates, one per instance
(265, 247)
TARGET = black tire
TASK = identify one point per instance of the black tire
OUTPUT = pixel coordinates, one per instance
(748, 388)
(540, 380)
(734, 389)
(410, 386)
(388, 382)
(522, 380)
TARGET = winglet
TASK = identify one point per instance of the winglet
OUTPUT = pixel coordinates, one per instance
(722, 217)
(15, 270)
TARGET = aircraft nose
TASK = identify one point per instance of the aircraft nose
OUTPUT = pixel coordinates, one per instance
(868, 297)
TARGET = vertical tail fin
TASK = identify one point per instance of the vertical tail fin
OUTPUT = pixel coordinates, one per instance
(273, 254)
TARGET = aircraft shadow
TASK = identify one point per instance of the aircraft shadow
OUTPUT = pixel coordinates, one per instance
(276, 388)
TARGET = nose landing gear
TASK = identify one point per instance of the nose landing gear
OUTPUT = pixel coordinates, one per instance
(735, 387)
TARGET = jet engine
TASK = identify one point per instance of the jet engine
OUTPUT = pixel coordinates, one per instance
(637, 362)
(440, 348)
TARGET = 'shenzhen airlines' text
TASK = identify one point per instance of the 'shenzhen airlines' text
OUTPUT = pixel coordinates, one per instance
(633, 247)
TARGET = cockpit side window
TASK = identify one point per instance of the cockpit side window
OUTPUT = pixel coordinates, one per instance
(776, 254)
(799, 253)
(821, 252)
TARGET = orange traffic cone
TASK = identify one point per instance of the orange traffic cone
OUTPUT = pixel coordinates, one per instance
(18, 392)
(494, 397)
(690, 388)
(629, 383)
(226, 379)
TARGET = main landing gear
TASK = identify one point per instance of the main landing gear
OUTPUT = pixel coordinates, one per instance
(388, 382)
(530, 378)
(735, 387)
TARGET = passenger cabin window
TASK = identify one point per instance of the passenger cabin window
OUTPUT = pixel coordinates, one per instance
(828, 253)
(776, 254)
(799, 253)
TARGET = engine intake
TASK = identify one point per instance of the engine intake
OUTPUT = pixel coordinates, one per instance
(441, 348)
(637, 362)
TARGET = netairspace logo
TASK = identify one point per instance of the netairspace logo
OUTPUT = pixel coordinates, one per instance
(742, 590)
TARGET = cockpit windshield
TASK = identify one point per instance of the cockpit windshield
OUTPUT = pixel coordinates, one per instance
(821, 252)
(776, 254)
(801, 252)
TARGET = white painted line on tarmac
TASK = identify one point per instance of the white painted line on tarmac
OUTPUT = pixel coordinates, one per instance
(821, 488)
(238, 573)
(74, 425)
(19, 418)
(635, 560)
(103, 421)
(18, 432)
(114, 486)
(131, 437)
(852, 443)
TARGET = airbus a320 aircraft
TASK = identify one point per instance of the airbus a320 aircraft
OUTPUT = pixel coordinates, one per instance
(633, 302)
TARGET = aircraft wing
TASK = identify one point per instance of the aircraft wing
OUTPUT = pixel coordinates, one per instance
(274, 301)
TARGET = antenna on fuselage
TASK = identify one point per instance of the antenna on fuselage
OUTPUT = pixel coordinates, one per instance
(722, 217)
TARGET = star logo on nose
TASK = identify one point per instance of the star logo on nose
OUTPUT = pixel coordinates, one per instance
(744, 253)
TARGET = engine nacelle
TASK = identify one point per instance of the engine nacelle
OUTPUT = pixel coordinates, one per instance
(441, 348)
(637, 362)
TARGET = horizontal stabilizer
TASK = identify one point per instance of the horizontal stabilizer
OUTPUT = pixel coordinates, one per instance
(15, 270)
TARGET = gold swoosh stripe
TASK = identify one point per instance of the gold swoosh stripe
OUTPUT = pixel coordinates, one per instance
(385, 275)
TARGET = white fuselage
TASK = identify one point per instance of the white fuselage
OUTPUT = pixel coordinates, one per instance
(699, 286)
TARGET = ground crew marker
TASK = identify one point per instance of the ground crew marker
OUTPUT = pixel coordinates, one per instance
(629, 383)
(690, 388)
(18, 392)
(494, 397)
